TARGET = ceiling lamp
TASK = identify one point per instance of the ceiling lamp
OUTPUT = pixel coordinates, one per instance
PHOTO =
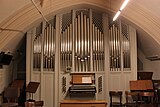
(121, 8)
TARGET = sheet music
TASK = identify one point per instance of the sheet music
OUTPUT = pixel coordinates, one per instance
(86, 80)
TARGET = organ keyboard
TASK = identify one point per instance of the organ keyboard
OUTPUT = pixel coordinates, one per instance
(82, 88)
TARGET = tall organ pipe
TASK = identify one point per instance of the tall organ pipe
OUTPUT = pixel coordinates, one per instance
(79, 45)
(76, 45)
(88, 45)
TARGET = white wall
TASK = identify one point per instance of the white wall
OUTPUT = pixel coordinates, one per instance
(150, 66)
(5, 78)
(13, 5)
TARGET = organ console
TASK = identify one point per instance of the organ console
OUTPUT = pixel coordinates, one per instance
(82, 92)
(82, 82)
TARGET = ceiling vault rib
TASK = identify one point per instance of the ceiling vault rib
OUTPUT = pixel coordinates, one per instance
(5, 29)
(40, 12)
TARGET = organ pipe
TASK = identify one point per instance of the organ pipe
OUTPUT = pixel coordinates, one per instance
(115, 45)
(88, 43)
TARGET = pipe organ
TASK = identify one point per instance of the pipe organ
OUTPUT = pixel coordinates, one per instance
(66, 42)
(126, 47)
(45, 46)
(86, 46)
(82, 37)
(98, 42)
(49, 48)
(37, 43)
(119, 47)
(88, 42)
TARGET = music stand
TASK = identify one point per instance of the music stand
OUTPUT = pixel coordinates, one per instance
(32, 88)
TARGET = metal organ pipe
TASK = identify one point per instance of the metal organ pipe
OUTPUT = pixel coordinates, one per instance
(76, 45)
(67, 41)
(85, 43)
(82, 42)
(119, 48)
(95, 34)
(34, 54)
(49, 48)
(63, 49)
(88, 45)
(82, 45)
(70, 45)
(82, 34)
(117, 63)
(93, 39)
(110, 49)
(45, 47)
(66, 48)
(103, 52)
(115, 48)
(98, 50)
(112, 58)
(84, 31)
(37, 52)
(47, 44)
(95, 48)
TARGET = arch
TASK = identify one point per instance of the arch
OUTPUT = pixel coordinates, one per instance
(28, 16)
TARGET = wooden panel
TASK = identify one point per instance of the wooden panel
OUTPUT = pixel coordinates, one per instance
(141, 85)
(85, 103)
(100, 95)
(116, 82)
(78, 78)
(48, 89)
(127, 78)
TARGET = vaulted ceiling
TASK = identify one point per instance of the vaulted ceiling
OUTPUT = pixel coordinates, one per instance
(17, 16)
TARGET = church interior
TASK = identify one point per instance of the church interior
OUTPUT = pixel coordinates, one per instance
(74, 53)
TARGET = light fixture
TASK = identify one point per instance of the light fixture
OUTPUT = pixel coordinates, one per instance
(121, 8)
(116, 16)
